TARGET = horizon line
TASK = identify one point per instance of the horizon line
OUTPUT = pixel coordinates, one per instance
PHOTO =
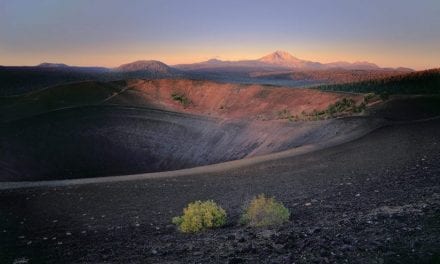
(205, 59)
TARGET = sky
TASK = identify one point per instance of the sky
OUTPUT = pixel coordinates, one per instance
(108, 33)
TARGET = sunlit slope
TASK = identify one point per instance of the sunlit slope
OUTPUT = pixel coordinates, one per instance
(189, 96)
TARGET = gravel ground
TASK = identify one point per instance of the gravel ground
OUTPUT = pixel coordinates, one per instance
(372, 200)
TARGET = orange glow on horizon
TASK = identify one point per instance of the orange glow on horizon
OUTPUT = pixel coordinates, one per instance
(110, 60)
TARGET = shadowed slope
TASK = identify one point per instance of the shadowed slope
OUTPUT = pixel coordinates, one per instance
(94, 129)
(58, 97)
(109, 140)
(373, 200)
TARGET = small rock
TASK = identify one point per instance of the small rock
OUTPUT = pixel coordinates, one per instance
(22, 260)
(235, 260)
(358, 194)
(346, 247)
(249, 248)
(189, 247)
(230, 237)
(279, 248)
(266, 234)
(154, 252)
(314, 230)
(307, 204)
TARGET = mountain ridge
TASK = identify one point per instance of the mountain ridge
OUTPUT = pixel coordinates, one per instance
(279, 60)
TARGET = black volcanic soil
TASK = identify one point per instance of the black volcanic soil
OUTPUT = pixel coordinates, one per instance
(93, 141)
(402, 108)
(372, 200)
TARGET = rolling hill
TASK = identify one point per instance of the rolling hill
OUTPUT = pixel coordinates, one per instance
(150, 66)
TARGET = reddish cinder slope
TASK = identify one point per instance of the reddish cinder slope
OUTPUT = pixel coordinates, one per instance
(228, 100)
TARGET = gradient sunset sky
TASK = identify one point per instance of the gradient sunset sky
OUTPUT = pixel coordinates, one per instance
(109, 32)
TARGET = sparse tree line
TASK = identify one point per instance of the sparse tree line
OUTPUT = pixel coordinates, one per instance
(423, 82)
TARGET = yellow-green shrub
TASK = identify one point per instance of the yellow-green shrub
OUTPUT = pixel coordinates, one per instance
(264, 211)
(199, 216)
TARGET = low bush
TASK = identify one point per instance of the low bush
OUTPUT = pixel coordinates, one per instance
(341, 107)
(181, 98)
(285, 114)
(369, 97)
(384, 96)
(264, 211)
(359, 108)
(198, 216)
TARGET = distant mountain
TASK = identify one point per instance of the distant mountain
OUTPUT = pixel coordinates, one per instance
(150, 66)
(215, 65)
(52, 65)
(359, 65)
(64, 67)
(276, 61)
(286, 60)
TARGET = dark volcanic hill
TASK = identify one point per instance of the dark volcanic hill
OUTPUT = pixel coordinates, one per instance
(52, 65)
(150, 66)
